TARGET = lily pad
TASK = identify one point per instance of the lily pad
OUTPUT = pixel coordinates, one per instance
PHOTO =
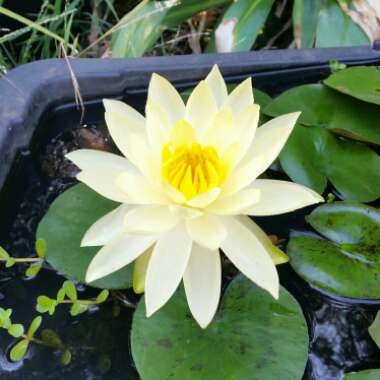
(349, 265)
(63, 227)
(324, 107)
(313, 155)
(369, 374)
(253, 337)
(361, 82)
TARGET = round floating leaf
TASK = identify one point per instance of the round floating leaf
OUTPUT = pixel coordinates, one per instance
(374, 329)
(370, 374)
(313, 155)
(348, 223)
(328, 267)
(63, 227)
(253, 337)
(361, 82)
(323, 107)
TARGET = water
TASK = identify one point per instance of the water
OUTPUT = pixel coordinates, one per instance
(99, 339)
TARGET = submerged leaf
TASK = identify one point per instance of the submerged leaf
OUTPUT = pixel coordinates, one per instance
(16, 330)
(33, 270)
(257, 338)
(34, 326)
(70, 290)
(41, 247)
(102, 296)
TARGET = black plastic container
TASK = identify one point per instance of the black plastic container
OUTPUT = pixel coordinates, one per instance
(37, 104)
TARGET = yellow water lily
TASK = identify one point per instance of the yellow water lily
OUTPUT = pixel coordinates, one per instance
(186, 185)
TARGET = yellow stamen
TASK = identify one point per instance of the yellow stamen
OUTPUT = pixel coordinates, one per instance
(191, 168)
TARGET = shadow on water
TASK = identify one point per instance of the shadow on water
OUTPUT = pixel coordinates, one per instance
(99, 339)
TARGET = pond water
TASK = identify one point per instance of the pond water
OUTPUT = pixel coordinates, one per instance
(99, 339)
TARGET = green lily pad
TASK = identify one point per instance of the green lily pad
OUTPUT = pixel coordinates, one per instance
(369, 374)
(253, 337)
(349, 265)
(63, 227)
(348, 224)
(313, 155)
(374, 330)
(361, 82)
(324, 107)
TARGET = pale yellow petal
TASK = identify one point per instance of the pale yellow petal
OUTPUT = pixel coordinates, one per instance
(270, 139)
(203, 281)
(204, 199)
(103, 181)
(207, 230)
(250, 256)
(246, 124)
(277, 255)
(106, 228)
(241, 97)
(201, 107)
(242, 176)
(117, 254)
(122, 121)
(150, 219)
(162, 92)
(183, 133)
(158, 124)
(279, 197)
(235, 203)
(221, 133)
(184, 212)
(140, 267)
(217, 85)
(94, 159)
(166, 267)
(139, 190)
(143, 157)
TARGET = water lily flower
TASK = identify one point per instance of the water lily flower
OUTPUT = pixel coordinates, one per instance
(186, 185)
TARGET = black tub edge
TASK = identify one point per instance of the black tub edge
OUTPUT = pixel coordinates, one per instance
(29, 90)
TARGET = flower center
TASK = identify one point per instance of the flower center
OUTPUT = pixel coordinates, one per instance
(192, 169)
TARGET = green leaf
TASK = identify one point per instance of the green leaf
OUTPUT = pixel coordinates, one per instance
(61, 295)
(41, 247)
(66, 357)
(78, 308)
(63, 227)
(323, 107)
(326, 266)
(369, 374)
(305, 19)
(102, 296)
(362, 82)
(19, 350)
(240, 26)
(348, 223)
(5, 315)
(312, 155)
(70, 290)
(4, 255)
(148, 20)
(10, 262)
(349, 265)
(345, 32)
(51, 338)
(16, 330)
(46, 304)
(33, 270)
(34, 326)
(374, 329)
(256, 337)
